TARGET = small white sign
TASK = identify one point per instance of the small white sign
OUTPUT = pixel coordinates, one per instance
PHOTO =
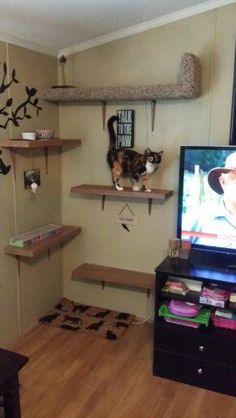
(127, 219)
(127, 216)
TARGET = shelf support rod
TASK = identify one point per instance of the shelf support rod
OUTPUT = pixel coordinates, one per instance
(149, 206)
(103, 201)
(46, 159)
(13, 158)
(153, 111)
(104, 115)
(18, 266)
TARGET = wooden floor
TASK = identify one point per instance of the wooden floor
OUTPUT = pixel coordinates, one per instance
(72, 375)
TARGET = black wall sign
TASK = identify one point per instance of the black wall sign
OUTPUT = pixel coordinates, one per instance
(125, 129)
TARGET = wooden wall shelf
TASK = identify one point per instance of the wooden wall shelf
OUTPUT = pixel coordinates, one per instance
(114, 275)
(93, 189)
(40, 247)
(39, 143)
(14, 144)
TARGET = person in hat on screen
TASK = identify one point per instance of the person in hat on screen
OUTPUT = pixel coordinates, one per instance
(223, 181)
(219, 219)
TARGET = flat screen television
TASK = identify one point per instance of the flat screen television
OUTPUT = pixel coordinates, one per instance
(206, 204)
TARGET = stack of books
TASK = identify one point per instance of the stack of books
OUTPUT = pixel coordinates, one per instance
(35, 235)
(214, 296)
(175, 286)
(182, 285)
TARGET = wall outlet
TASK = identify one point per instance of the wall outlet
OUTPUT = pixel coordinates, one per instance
(31, 176)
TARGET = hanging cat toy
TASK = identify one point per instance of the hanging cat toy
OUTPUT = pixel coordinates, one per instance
(129, 163)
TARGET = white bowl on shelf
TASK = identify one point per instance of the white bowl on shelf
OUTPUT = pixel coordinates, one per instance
(30, 136)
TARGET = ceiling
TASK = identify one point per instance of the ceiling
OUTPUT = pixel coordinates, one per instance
(61, 27)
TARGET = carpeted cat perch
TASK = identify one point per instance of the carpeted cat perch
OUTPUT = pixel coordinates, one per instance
(187, 87)
(75, 317)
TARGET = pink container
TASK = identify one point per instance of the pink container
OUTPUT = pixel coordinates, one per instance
(178, 307)
(223, 322)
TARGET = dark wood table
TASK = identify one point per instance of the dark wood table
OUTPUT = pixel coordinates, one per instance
(10, 365)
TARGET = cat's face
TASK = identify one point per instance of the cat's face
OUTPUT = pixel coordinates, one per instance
(153, 158)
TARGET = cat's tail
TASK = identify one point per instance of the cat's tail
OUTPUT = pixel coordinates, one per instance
(111, 130)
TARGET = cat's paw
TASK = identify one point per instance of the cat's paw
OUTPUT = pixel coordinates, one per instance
(119, 188)
(148, 190)
(136, 188)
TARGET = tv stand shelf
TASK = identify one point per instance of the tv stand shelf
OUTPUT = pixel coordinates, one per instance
(98, 190)
(114, 275)
(205, 356)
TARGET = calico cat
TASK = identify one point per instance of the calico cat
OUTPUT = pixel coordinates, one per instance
(129, 163)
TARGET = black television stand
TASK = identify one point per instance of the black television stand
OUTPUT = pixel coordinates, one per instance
(205, 356)
(213, 259)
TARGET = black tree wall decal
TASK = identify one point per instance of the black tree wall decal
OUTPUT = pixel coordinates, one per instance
(4, 169)
(21, 111)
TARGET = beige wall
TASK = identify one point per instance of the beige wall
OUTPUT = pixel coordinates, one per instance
(23, 299)
(150, 57)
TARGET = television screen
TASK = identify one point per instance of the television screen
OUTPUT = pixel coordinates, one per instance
(207, 197)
